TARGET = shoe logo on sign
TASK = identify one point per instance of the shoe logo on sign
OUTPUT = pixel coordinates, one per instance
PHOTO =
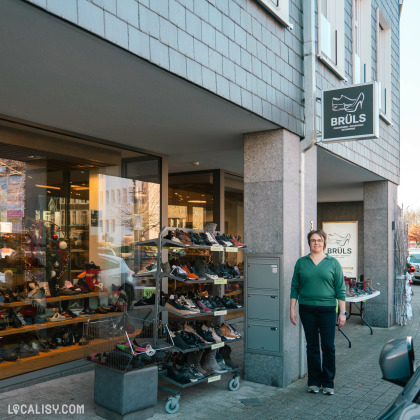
(336, 239)
(344, 103)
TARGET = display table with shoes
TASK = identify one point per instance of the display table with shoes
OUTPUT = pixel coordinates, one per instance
(358, 302)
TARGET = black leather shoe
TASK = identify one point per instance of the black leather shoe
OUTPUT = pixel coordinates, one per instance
(183, 377)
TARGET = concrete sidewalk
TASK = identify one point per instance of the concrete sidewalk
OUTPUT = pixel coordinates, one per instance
(360, 391)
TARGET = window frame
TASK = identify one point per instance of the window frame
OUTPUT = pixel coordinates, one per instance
(279, 12)
(383, 64)
(335, 8)
(362, 26)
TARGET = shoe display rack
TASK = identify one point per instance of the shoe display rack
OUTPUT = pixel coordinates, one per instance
(178, 306)
(45, 357)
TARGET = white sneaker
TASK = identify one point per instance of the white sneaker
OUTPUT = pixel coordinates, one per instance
(313, 389)
(328, 391)
(211, 239)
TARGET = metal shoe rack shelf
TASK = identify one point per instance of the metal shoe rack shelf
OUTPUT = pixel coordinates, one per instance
(161, 243)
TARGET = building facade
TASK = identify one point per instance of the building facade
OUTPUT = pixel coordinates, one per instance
(233, 86)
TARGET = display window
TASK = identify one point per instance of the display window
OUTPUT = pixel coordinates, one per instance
(191, 198)
(70, 211)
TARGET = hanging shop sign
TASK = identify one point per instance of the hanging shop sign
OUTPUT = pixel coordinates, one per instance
(342, 244)
(350, 113)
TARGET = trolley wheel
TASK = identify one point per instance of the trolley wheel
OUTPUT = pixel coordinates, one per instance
(234, 384)
(172, 406)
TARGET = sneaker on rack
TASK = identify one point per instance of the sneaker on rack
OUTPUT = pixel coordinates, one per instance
(224, 329)
(184, 239)
(236, 242)
(227, 240)
(220, 240)
(181, 376)
(234, 330)
(202, 305)
(197, 376)
(179, 272)
(211, 239)
(180, 343)
(205, 240)
(197, 239)
(177, 307)
(209, 274)
(193, 269)
(189, 304)
(190, 275)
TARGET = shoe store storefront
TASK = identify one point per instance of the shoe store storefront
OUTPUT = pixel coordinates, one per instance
(78, 262)
(131, 203)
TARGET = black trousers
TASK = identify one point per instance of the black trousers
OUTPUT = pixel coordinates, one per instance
(319, 322)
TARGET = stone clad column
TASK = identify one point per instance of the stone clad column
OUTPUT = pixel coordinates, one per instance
(272, 227)
(380, 199)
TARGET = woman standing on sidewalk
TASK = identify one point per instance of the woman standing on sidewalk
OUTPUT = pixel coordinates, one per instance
(318, 283)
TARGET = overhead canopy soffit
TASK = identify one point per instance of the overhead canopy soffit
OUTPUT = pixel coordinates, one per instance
(55, 74)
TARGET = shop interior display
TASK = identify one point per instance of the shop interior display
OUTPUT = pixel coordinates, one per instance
(203, 291)
(41, 313)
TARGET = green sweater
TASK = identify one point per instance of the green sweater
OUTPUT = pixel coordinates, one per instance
(318, 284)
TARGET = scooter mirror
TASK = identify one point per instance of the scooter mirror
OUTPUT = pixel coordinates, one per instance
(397, 360)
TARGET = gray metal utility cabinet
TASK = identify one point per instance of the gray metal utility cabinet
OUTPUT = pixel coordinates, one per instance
(265, 354)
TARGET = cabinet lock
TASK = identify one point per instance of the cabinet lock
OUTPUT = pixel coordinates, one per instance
(274, 328)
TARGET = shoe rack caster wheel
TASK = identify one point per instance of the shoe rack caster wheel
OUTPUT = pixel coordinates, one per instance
(172, 405)
(234, 384)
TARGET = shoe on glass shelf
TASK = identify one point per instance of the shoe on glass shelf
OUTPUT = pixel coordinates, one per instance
(25, 350)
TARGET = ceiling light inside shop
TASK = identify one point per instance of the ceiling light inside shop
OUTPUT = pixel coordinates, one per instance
(197, 201)
(47, 186)
(34, 157)
(79, 187)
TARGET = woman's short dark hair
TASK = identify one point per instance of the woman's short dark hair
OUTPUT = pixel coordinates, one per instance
(317, 232)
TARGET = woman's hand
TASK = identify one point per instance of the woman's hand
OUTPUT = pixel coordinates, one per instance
(341, 320)
(293, 317)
